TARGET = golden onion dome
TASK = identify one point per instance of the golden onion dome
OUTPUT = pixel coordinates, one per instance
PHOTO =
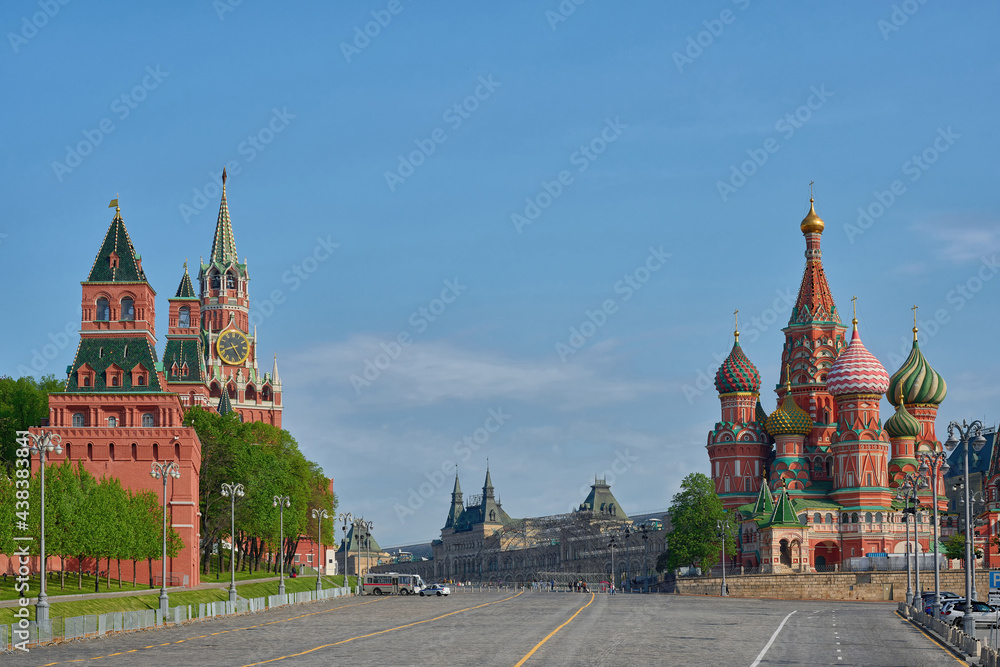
(812, 223)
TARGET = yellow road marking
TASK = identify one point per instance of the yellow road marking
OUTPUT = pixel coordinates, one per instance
(380, 632)
(549, 636)
(940, 645)
(250, 627)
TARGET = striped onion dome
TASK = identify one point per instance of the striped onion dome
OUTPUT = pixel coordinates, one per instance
(856, 370)
(737, 373)
(916, 379)
(902, 424)
(789, 419)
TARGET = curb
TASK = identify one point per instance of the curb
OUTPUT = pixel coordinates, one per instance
(938, 639)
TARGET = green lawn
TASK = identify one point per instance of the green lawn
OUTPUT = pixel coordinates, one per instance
(7, 588)
(179, 598)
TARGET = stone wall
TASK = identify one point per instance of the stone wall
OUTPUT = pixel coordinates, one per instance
(872, 586)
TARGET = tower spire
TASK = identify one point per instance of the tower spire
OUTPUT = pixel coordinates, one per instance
(736, 324)
(224, 242)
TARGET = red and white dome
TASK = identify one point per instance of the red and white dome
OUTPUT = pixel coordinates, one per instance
(857, 371)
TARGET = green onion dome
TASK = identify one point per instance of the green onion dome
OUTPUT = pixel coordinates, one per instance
(789, 419)
(916, 379)
(759, 414)
(902, 424)
(737, 373)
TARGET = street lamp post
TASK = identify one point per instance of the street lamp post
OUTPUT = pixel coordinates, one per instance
(346, 518)
(907, 489)
(934, 466)
(612, 545)
(964, 431)
(628, 571)
(281, 502)
(43, 443)
(319, 515)
(645, 557)
(232, 491)
(723, 527)
(163, 471)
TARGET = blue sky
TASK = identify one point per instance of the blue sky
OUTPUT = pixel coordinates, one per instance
(516, 172)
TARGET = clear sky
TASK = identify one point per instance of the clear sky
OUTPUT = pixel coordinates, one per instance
(484, 179)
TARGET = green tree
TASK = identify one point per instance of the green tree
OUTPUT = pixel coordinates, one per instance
(23, 403)
(267, 461)
(693, 539)
(955, 547)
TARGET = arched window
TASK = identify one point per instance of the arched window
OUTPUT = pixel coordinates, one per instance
(232, 391)
(156, 452)
(230, 280)
(854, 517)
(868, 517)
(147, 420)
(112, 422)
(128, 309)
(184, 317)
(214, 391)
(817, 518)
(265, 393)
(78, 419)
(134, 448)
(86, 381)
(103, 312)
(140, 380)
(111, 451)
(114, 381)
(878, 517)
(214, 281)
(829, 518)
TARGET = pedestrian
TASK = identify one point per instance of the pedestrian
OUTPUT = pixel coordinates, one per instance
(612, 589)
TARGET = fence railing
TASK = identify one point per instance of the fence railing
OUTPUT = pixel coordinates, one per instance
(29, 633)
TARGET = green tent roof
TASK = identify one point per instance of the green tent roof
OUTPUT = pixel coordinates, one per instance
(117, 260)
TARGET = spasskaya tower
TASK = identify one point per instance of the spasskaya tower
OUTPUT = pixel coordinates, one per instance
(210, 333)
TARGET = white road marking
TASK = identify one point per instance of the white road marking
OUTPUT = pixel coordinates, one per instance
(770, 641)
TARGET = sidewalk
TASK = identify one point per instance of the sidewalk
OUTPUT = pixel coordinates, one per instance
(54, 599)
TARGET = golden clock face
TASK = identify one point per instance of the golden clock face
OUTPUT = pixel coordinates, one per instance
(233, 347)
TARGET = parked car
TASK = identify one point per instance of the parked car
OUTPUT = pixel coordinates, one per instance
(436, 589)
(954, 612)
(946, 596)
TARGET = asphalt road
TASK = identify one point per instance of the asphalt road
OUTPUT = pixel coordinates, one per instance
(538, 628)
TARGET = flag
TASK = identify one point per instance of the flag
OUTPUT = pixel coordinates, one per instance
(113, 204)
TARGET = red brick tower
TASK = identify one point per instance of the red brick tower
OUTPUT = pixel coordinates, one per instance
(117, 414)
(230, 347)
(814, 338)
(738, 447)
(922, 390)
(860, 447)
(184, 355)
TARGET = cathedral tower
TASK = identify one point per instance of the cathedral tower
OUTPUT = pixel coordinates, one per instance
(814, 338)
(860, 451)
(738, 447)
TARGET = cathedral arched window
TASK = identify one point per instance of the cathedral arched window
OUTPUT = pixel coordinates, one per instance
(103, 312)
(817, 518)
(184, 317)
(78, 419)
(128, 309)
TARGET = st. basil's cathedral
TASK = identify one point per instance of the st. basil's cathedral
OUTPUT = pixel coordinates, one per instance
(815, 482)
(123, 408)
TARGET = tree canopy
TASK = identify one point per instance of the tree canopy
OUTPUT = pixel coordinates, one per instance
(267, 461)
(23, 402)
(694, 536)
